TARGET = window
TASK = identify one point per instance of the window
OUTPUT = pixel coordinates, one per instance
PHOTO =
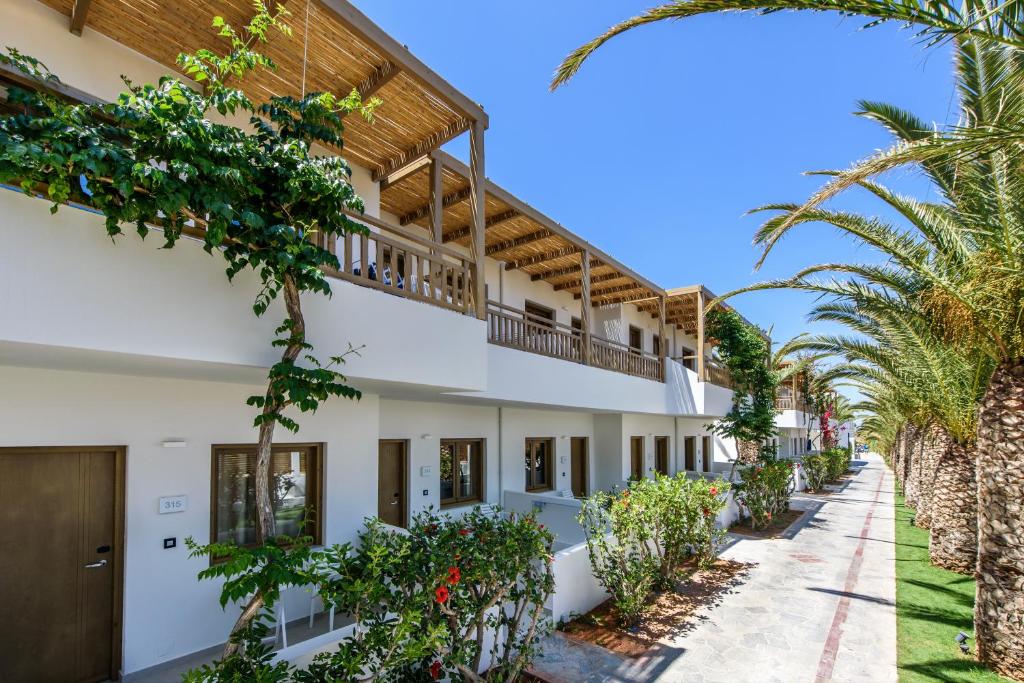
(656, 345)
(636, 339)
(689, 361)
(577, 327)
(462, 468)
(296, 492)
(541, 315)
(540, 461)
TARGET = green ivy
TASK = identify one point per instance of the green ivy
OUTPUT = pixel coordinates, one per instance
(747, 354)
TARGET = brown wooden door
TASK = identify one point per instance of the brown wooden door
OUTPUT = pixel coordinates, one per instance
(391, 478)
(690, 453)
(709, 454)
(579, 466)
(661, 454)
(60, 564)
(636, 447)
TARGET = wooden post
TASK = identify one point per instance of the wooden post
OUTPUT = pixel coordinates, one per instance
(585, 306)
(662, 341)
(477, 208)
(436, 194)
(700, 335)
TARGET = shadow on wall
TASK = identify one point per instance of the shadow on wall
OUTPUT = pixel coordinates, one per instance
(679, 389)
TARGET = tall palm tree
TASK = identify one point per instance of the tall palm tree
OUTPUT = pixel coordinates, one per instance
(960, 262)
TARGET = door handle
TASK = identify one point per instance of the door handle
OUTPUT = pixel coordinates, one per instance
(394, 502)
(95, 565)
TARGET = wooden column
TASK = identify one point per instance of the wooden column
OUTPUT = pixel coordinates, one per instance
(700, 335)
(436, 194)
(477, 207)
(585, 306)
(662, 341)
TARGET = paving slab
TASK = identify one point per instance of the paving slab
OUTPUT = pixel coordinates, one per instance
(818, 606)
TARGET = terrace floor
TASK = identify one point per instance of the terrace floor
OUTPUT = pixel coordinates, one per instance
(818, 606)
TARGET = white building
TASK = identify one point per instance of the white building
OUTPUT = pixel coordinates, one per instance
(124, 368)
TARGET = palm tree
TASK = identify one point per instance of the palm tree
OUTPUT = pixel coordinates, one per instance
(960, 262)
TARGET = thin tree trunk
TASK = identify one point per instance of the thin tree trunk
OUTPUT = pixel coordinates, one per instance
(999, 607)
(953, 543)
(265, 522)
(934, 443)
(897, 457)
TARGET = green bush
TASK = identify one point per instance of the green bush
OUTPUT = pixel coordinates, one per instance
(838, 462)
(764, 490)
(425, 602)
(816, 471)
(639, 538)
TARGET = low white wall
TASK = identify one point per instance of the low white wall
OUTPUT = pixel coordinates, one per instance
(557, 514)
(576, 589)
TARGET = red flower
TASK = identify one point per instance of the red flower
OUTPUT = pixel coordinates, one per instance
(625, 494)
(431, 528)
(707, 512)
(454, 575)
(463, 532)
(435, 670)
(541, 526)
(441, 595)
(768, 515)
(714, 490)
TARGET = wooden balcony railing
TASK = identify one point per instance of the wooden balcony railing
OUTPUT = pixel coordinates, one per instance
(514, 328)
(714, 371)
(400, 262)
(788, 403)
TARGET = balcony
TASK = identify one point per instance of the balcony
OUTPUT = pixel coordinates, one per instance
(517, 329)
(789, 403)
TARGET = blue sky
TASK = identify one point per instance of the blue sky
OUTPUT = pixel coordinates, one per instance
(656, 150)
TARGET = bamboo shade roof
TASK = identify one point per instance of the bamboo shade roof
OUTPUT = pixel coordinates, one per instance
(341, 50)
(517, 234)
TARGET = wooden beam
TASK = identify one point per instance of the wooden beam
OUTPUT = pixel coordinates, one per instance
(424, 146)
(700, 336)
(597, 293)
(404, 172)
(542, 258)
(490, 222)
(78, 13)
(363, 28)
(593, 280)
(477, 208)
(585, 306)
(521, 241)
(625, 299)
(566, 270)
(662, 340)
(421, 212)
(380, 77)
(435, 205)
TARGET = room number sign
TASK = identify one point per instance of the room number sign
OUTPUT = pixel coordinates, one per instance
(169, 504)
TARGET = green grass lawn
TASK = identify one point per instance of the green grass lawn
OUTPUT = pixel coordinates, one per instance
(932, 606)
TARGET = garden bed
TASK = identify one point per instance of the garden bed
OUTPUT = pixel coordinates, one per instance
(669, 614)
(778, 526)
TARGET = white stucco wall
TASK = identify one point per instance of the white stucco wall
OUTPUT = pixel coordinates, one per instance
(518, 424)
(167, 611)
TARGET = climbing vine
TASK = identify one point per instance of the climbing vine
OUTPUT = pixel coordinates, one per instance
(747, 354)
(162, 156)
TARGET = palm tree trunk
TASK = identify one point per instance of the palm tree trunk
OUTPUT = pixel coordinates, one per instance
(999, 607)
(954, 532)
(934, 443)
(897, 457)
(911, 466)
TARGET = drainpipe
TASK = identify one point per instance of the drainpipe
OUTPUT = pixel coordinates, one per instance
(501, 469)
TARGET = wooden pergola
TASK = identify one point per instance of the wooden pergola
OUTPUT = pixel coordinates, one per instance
(433, 195)
(333, 47)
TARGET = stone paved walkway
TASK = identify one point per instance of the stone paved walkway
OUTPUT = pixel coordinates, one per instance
(819, 605)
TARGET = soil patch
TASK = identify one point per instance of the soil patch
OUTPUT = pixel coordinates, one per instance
(775, 529)
(669, 614)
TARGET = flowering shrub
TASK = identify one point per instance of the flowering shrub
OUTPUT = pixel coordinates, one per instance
(764, 491)
(816, 471)
(426, 603)
(654, 526)
(838, 462)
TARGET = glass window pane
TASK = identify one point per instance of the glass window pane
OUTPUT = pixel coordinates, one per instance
(540, 464)
(236, 498)
(467, 478)
(447, 471)
(288, 491)
(529, 464)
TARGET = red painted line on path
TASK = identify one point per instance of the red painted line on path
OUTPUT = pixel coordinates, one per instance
(835, 632)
